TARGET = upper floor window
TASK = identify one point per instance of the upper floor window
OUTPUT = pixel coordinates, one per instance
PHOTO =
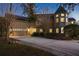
(57, 20)
(57, 15)
(62, 14)
(62, 19)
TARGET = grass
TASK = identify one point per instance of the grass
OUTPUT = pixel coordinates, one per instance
(7, 49)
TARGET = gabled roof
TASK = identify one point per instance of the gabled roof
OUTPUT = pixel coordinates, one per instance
(17, 17)
(21, 18)
(61, 10)
(45, 14)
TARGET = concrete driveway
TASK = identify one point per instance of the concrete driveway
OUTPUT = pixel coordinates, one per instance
(57, 47)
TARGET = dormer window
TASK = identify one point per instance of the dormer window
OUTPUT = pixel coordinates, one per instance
(57, 15)
(62, 14)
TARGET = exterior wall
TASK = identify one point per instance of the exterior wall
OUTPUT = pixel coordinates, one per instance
(21, 28)
(18, 28)
(18, 24)
(18, 33)
(45, 22)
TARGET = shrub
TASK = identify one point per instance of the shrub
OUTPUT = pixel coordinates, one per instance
(38, 34)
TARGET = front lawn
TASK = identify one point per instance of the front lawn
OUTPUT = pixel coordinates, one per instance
(8, 49)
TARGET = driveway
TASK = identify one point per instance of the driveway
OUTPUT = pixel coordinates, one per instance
(57, 47)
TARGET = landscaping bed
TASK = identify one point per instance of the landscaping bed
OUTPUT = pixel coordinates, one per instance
(54, 36)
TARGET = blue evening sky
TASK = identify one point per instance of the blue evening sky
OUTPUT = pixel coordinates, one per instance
(51, 7)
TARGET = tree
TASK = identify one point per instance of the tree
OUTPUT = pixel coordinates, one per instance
(69, 6)
(8, 20)
(72, 30)
(45, 21)
(29, 9)
(4, 27)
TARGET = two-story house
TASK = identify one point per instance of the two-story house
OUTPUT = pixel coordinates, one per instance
(52, 23)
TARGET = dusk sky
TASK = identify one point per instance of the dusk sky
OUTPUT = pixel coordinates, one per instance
(52, 7)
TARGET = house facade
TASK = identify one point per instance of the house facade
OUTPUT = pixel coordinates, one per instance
(51, 23)
(60, 20)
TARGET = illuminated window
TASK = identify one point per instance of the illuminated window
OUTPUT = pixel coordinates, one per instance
(57, 20)
(72, 22)
(62, 14)
(50, 30)
(66, 19)
(62, 19)
(57, 30)
(31, 30)
(62, 29)
(17, 29)
(34, 29)
(41, 30)
(28, 30)
(56, 15)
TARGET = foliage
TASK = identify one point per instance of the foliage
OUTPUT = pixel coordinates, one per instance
(29, 9)
(4, 27)
(72, 30)
(38, 34)
(70, 6)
